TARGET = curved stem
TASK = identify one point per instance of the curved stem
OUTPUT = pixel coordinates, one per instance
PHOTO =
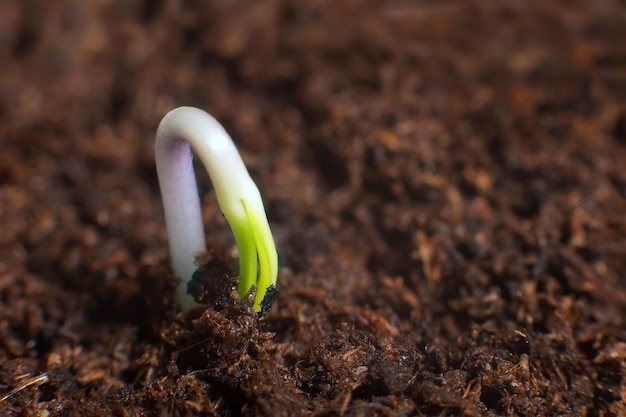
(237, 195)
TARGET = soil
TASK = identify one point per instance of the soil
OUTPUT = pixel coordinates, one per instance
(445, 181)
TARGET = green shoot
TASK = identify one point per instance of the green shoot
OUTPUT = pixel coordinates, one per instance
(237, 195)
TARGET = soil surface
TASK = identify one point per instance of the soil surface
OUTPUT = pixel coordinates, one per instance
(445, 180)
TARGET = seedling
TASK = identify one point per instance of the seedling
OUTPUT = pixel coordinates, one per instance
(237, 195)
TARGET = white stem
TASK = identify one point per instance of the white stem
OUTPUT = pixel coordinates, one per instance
(235, 190)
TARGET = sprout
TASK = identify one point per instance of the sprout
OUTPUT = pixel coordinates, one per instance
(237, 195)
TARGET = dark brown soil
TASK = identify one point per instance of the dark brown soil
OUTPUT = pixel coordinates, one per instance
(446, 181)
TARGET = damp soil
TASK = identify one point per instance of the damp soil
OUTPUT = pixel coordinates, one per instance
(446, 183)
